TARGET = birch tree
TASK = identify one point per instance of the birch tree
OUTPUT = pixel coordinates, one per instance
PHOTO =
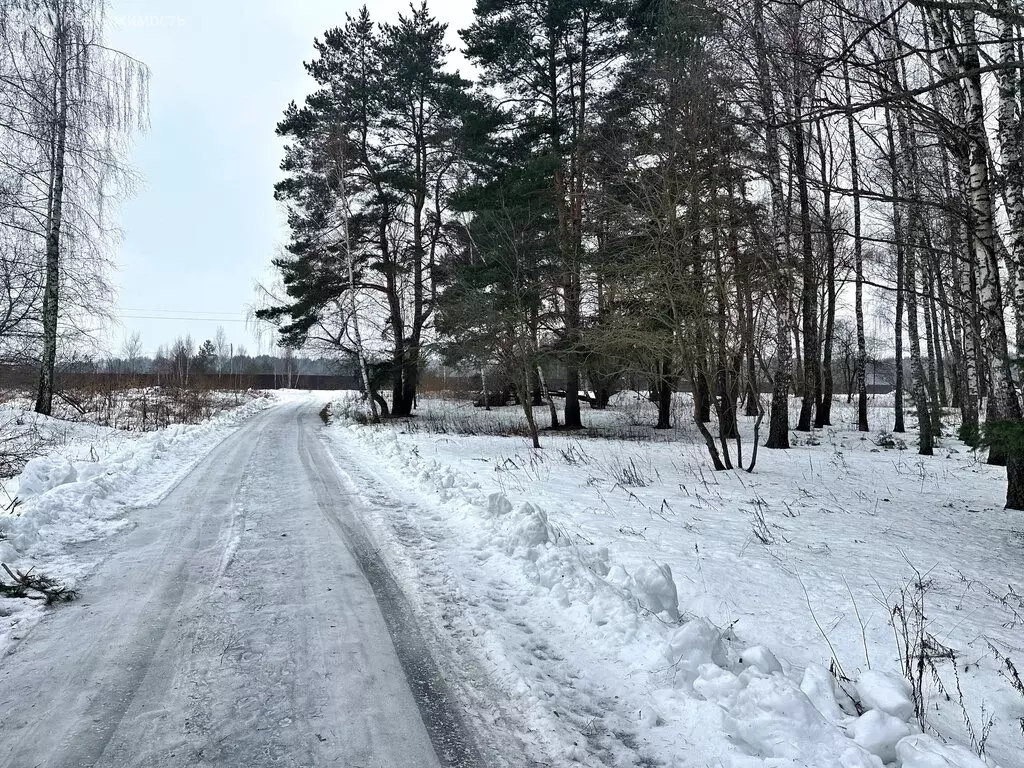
(779, 257)
(76, 100)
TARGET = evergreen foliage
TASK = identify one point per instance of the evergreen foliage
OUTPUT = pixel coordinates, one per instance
(371, 153)
(33, 586)
(676, 193)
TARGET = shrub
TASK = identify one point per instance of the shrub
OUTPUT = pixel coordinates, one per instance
(889, 441)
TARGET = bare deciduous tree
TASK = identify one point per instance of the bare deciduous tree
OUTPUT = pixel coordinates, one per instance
(68, 101)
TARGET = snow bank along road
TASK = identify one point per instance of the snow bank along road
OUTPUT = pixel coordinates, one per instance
(244, 622)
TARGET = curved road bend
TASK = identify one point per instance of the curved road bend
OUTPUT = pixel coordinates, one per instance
(244, 622)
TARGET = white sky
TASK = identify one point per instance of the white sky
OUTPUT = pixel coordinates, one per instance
(203, 225)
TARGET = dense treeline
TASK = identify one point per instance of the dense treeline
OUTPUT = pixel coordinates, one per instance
(717, 194)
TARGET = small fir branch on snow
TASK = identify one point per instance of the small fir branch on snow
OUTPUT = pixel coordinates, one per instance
(889, 441)
(35, 587)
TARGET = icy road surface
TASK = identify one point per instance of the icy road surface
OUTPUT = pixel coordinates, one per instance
(244, 622)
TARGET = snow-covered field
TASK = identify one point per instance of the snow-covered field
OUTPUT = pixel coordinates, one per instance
(136, 409)
(641, 609)
(83, 485)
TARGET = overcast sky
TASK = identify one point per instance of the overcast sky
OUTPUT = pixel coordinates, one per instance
(203, 225)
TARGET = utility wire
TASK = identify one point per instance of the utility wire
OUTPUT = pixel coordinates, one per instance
(169, 317)
(177, 311)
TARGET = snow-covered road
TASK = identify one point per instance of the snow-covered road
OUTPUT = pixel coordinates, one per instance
(244, 621)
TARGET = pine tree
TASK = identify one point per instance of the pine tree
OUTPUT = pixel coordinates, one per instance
(553, 59)
(493, 308)
(369, 171)
(206, 358)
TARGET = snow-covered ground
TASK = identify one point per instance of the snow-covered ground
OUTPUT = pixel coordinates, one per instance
(136, 409)
(85, 485)
(641, 609)
(236, 624)
(611, 601)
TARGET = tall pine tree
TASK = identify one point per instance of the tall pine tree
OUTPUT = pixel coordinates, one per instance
(372, 156)
(553, 59)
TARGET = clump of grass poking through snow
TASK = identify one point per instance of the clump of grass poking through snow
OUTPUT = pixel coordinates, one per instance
(574, 455)
(759, 527)
(628, 474)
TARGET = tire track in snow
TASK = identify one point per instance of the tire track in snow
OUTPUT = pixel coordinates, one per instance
(120, 639)
(448, 730)
(232, 627)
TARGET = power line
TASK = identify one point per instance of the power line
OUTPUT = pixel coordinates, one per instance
(169, 317)
(177, 311)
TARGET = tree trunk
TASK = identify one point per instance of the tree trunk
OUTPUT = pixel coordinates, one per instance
(1002, 389)
(753, 394)
(568, 207)
(858, 258)
(778, 429)
(918, 381)
(397, 387)
(696, 377)
(952, 353)
(537, 391)
(550, 400)
(942, 393)
(701, 400)
(809, 281)
(934, 354)
(727, 411)
(573, 417)
(753, 398)
(827, 385)
(809, 287)
(1012, 161)
(918, 237)
(51, 290)
(666, 384)
(1014, 482)
(524, 385)
(962, 229)
(410, 379)
(900, 277)
(382, 404)
(970, 376)
(364, 371)
(664, 406)
(908, 227)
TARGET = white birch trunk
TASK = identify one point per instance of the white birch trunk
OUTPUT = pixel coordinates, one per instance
(1009, 144)
(357, 335)
(778, 434)
(979, 190)
(54, 220)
